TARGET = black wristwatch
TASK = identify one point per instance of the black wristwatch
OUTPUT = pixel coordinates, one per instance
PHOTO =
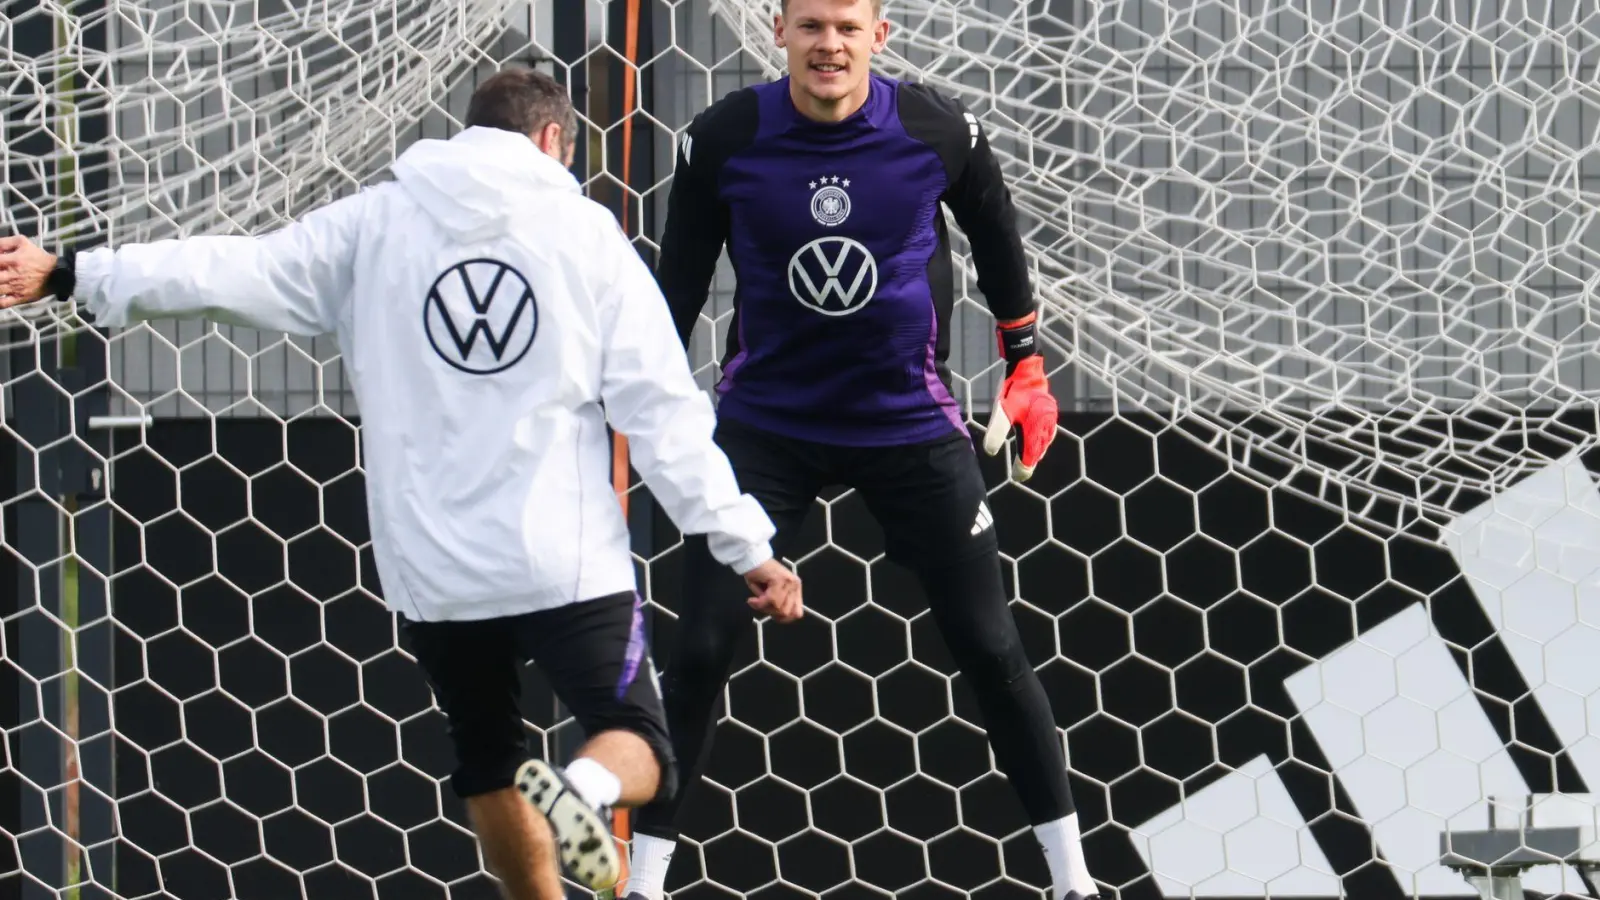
(63, 279)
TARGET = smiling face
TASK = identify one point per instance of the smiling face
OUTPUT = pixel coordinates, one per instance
(830, 44)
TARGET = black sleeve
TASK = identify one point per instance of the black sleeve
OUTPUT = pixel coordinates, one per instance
(697, 219)
(977, 196)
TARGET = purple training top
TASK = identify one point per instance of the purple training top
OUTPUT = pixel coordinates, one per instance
(838, 241)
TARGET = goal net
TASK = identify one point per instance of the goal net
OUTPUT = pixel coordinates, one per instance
(1310, 573)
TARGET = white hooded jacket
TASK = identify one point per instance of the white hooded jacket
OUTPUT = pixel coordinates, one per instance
(491, 319)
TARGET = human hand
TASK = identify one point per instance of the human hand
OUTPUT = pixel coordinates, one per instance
(776, 590)
(24, 271)
(1025, 406)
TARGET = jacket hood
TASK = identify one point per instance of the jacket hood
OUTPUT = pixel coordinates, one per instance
(473, 183)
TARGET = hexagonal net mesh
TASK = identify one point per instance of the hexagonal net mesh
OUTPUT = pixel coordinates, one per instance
(1349, 237)
(1309, 574)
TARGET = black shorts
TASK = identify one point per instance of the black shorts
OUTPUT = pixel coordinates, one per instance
(929, 498)
(595, 656)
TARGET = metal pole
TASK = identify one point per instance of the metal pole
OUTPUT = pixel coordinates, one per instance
(77, 470)
(91, 822)
(35, 642)
(570, 42)
(631, 170)
(35, 645)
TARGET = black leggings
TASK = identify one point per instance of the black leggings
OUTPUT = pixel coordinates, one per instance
(925, 498)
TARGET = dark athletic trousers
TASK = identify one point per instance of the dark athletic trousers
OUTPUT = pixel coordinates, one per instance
(926, 497)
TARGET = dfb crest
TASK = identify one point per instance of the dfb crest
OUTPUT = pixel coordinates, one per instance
(481, 299)
(830, 205)
(835, 276)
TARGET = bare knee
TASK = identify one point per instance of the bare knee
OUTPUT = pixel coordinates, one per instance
(518, 848)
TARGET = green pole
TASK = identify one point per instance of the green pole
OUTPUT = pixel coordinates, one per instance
(66, 194)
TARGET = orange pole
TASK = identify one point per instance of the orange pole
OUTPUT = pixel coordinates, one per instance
(619, 447)
(630, 50)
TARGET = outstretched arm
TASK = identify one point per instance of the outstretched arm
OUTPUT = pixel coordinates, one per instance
(294, 280)
(981, 203)
(651, 397)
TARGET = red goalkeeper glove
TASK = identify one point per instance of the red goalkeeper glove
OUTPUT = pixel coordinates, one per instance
(1025, 402)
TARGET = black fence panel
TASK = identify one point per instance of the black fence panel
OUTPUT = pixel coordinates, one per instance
(272, 735)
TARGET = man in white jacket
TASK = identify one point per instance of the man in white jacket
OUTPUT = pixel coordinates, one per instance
(491, 320)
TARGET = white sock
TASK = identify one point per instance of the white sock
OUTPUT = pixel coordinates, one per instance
(593, 782)
(1063, 851)
(647, 867)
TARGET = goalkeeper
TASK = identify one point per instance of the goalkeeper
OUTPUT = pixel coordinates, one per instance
(491, 319)
(826, 188)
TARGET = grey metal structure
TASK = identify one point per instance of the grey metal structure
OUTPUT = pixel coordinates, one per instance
(1525, 833)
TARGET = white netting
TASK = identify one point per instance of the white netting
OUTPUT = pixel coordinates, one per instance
(228, 117)
(1368, 227)
(1331, 249)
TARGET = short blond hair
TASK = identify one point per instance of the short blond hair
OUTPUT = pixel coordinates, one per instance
(877, 8)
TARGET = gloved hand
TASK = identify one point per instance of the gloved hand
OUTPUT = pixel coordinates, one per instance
(1025, 402)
